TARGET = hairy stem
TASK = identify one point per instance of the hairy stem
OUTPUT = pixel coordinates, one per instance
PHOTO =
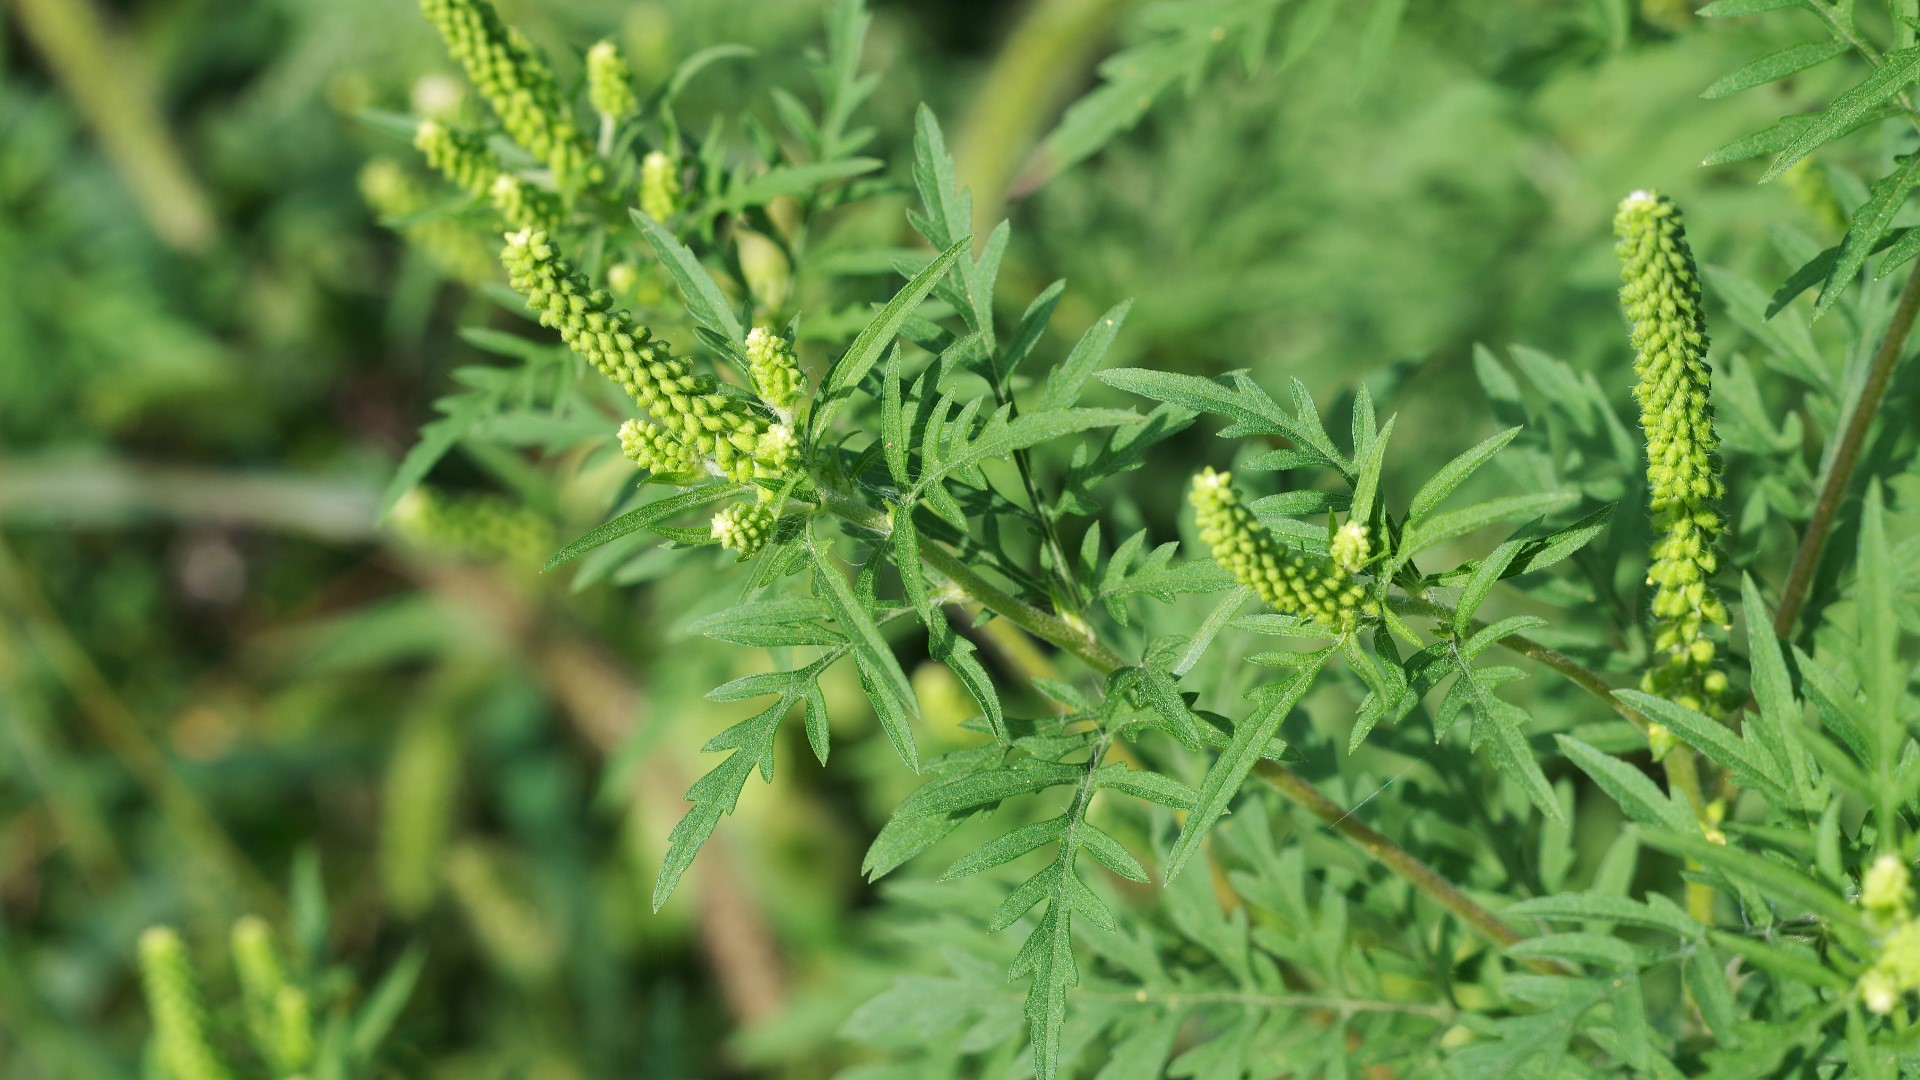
(1846, 453)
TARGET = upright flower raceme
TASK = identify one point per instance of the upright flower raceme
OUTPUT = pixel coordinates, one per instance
(774, 369)
(516, 82)
(463, 158)
(710, 425)
(1290, 580)
(173, 1000)
(610, 83)
(1661, 298)
(659, 186)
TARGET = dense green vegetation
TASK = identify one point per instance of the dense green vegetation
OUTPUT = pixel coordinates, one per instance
(1181, 554)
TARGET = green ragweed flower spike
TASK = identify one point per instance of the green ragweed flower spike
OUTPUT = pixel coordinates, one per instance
(1291, 581)
(516, 82)
(744, 527)
(479, 527)
(1896, 973)
(774, 369)
(1351, 548)
(173, 999)
(395, 197)
(460, 156)
(689, 406)
(656, 450)
(1661, 298)
(659, 186)
(524, 206)
(1886, 890)
(610, 83)
(277, 1012)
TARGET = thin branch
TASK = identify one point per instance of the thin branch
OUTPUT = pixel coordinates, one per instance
(1845, 454)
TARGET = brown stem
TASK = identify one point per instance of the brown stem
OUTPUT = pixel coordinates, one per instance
(1845, 454)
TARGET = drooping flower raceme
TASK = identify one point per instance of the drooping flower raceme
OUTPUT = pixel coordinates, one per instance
(1661, 297)
(656, 450)
(463, 157)
(516, 82)
(1290, 580)
(690, 407)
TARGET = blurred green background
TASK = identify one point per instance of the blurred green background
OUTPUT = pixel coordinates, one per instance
(215, 667)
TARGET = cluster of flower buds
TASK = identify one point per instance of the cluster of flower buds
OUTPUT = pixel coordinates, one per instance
(1292, 581)
(659, 186)
(711, 425)
(744, 527)
(481, 527)
(463, 158)
(1661, 297)
(516, 82)
(610, 83)
(1886, 896)
(173, 1000)
(775, 372)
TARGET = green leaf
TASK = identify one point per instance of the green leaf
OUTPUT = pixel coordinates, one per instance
(1368, 464)
(1774, 66)
(705, 302)
(1443, 527)
(1607, 908)
(1629, 787)
(382, 1007)
(888, 686)
(1000, 436)
(1009, 847)
(1492, 569)
(1868, 228)
(1069, 377)
(1254, 412)
(1229, 772)
(1727, 9)
(1597, 950)
(1776, 881)
(1454, 473)
(875, 337)
(1110, 853)
(1776, 725)
(1151, 786)
(791, 180)
(1752, 766)
(642, 517)
(985, 788)
(1798, 965)
(1896, 71)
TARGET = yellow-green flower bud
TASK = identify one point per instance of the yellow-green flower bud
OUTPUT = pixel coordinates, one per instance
(524, 206)
(610, 82)
(1351, 548)
(656, 450)
(1886, 889)
(1291, 581)
(659, 186)
(481, 527)
(744, 527)
(516, 82)
(764, 265)
(1661, 297)
(293, 1027)
(283, 1033)
(689, 406)
(777, 452)
(1896, 972)
(173, 1000)
(460, 156)
(1661, 741)
(774, 370)
(623, 280)
(395, 196)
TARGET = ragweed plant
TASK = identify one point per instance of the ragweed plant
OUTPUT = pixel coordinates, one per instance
(904, 473)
